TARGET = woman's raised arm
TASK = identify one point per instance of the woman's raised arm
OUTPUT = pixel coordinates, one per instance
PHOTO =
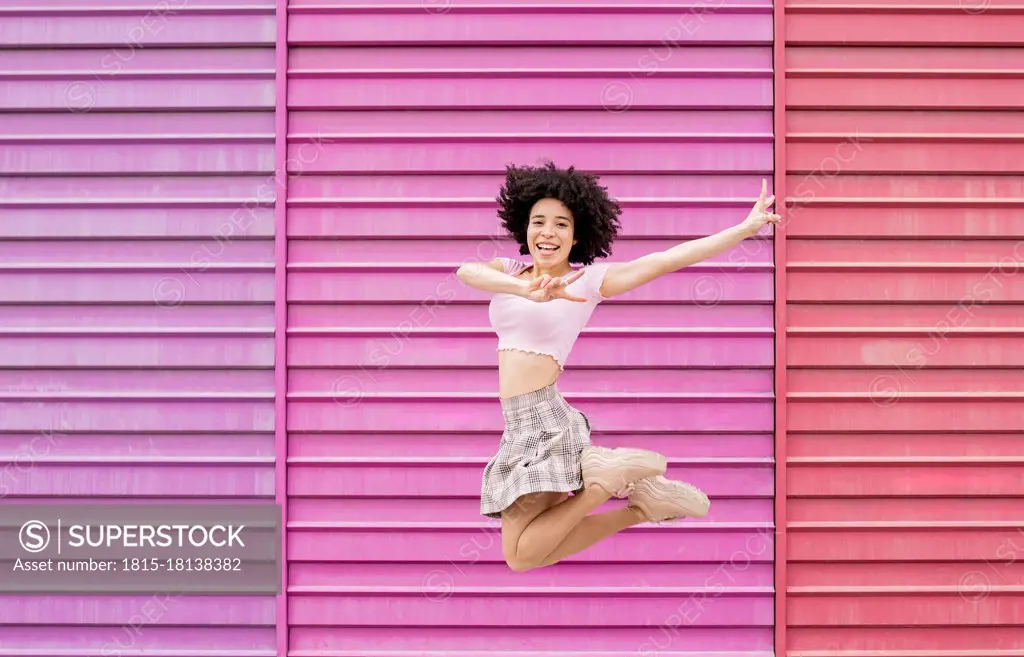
(626, 276)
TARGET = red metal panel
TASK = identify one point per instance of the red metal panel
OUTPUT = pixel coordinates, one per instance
(904, 328)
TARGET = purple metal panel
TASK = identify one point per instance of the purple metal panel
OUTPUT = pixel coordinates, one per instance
(137, 289)
(281, 311)
(402, 118)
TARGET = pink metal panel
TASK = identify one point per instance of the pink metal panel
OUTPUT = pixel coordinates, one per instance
(782, 256)
(727, 413)
(437, 285)
(137, 269)
(516, 641)
(393, 314)
(455, 476)
(750, 123)
(636, 379)
(595, 25)
(684, 89)
(386, 606)
(472, 154)
(471, 218)
(905, 337)
(473, 444)
(389, 59)
(456, 509)
(402, 118)
(490, 574)
(361, 542)
(473, 347)
(632, 186)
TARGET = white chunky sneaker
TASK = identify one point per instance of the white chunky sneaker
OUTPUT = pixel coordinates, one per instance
(661, 499)
(616, 469)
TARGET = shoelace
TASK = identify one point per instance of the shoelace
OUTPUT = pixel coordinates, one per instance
(625, 492)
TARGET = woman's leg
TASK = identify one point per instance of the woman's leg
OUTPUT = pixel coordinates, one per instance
(534, 526)
(593, 529)
(516, 518)
(653, 499)
(537, 524)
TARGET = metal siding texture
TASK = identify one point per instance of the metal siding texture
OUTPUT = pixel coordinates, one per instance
(137, 290)
(401, 119)
(904, 228)
(281, 309)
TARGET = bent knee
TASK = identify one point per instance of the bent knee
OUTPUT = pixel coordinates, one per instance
(521, 561)
(518, 560)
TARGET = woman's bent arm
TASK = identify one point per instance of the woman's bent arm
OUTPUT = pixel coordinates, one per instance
(491, 277)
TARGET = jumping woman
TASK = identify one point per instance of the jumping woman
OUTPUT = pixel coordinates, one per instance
(538, 309)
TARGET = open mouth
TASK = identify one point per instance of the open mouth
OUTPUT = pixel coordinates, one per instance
(547, 248)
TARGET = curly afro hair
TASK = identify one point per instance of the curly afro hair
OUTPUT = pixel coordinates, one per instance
(595, 214)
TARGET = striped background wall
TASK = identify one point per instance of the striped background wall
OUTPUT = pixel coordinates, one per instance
(401, 119)
(137, 289)
(137, 347)
(905, 228)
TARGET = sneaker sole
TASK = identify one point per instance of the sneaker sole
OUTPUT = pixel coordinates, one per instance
(624, 467)
(687, 497)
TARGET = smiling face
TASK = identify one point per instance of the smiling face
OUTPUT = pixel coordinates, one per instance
(549, 233)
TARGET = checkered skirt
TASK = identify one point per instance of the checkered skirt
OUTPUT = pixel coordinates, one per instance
(540, 450)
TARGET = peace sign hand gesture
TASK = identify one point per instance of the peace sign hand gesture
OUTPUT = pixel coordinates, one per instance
(761, 213)
(547, 288)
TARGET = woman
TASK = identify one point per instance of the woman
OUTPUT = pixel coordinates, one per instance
(560, 217)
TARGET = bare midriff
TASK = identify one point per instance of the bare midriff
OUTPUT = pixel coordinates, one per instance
(520, 372)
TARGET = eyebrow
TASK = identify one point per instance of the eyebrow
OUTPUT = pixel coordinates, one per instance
(557, 216)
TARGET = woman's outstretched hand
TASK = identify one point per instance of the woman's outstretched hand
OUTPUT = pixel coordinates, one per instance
(546, 287)
(761, 213)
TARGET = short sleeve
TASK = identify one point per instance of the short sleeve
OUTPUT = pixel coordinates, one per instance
(593, 278)
(512, 267)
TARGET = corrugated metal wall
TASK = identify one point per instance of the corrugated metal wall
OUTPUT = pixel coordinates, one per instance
(137, 347)
(905, 236)
(137, 289)
(401, 119)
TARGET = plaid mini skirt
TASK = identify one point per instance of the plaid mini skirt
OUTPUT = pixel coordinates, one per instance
(540, 450)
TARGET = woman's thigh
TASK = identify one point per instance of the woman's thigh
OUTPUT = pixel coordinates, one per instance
(516, 518)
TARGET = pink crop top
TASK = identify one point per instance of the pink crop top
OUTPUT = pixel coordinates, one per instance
(550, 328)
